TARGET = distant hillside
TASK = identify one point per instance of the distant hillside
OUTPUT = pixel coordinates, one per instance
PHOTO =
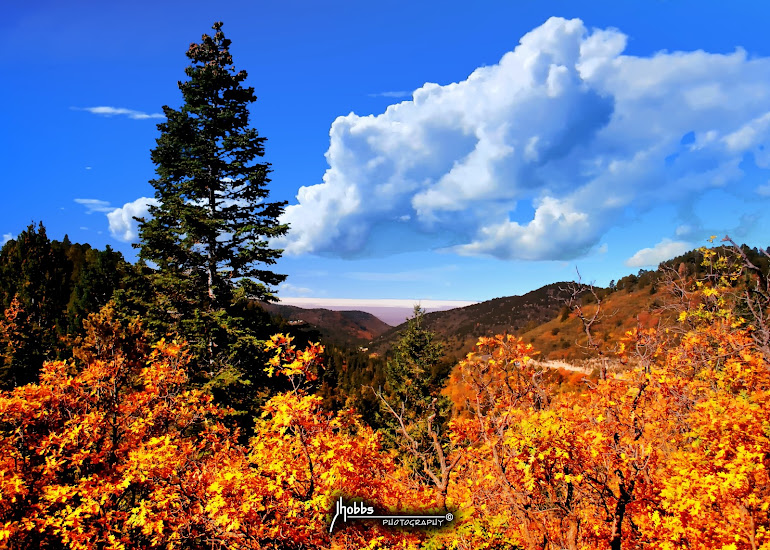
(636, 300)
(622, 309)
(460, 328)
(541, 317)
(341, 327)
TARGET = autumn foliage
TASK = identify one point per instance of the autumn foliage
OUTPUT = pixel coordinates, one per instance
(115, 450)
(672, 452)
(122, 455)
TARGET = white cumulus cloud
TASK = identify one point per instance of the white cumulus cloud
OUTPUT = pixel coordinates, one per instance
(123, 226)
(121, 220)
(536, 157)
(120, 111)
(664, 250)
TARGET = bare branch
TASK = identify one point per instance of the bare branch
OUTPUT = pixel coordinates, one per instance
(445, 465)
(574, 302)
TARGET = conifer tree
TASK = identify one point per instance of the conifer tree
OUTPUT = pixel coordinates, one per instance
(414, 410)
(100, 274)
(414, 373)
(208, 235)
(21, 347)
(34, 290)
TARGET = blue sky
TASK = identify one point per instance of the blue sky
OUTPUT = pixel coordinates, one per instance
(428, 150)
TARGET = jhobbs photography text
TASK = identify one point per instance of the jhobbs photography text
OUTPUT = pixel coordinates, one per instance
(359, 510)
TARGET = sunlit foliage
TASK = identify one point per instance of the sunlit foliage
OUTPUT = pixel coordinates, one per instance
(672, 450)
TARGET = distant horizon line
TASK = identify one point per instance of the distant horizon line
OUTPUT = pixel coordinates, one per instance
(374, 302)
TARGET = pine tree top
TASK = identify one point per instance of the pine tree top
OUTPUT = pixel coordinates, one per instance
(212, 222)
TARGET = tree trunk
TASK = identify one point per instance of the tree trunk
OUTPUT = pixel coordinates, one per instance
(620, 512)
(212, 238)
(211, 268)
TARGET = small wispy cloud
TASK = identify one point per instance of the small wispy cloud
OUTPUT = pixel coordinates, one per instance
(95, 205)
(293, 290)
(119, 111)
(6, 237)
(393, 94)
(414, 275)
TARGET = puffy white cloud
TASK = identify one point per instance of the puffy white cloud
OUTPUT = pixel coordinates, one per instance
(95, 205)
(123, 226)
(664, 250)
(119, 111)
(536, 157)
(544, 237)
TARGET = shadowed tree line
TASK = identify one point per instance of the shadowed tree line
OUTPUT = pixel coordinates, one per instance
(47, 289)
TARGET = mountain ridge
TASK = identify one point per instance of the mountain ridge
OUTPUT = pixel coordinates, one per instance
(349, 327)
(460, 328)
(542, 317)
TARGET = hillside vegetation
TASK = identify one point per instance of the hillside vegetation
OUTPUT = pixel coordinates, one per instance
(345, 328)
(119, 449)
(544, 319)
(460, 328)
(158, 406)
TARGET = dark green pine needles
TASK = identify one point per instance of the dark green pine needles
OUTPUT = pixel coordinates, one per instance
(208, 238)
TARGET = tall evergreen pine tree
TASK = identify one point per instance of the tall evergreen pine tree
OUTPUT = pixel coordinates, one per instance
(415, 377)
(208, 235)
